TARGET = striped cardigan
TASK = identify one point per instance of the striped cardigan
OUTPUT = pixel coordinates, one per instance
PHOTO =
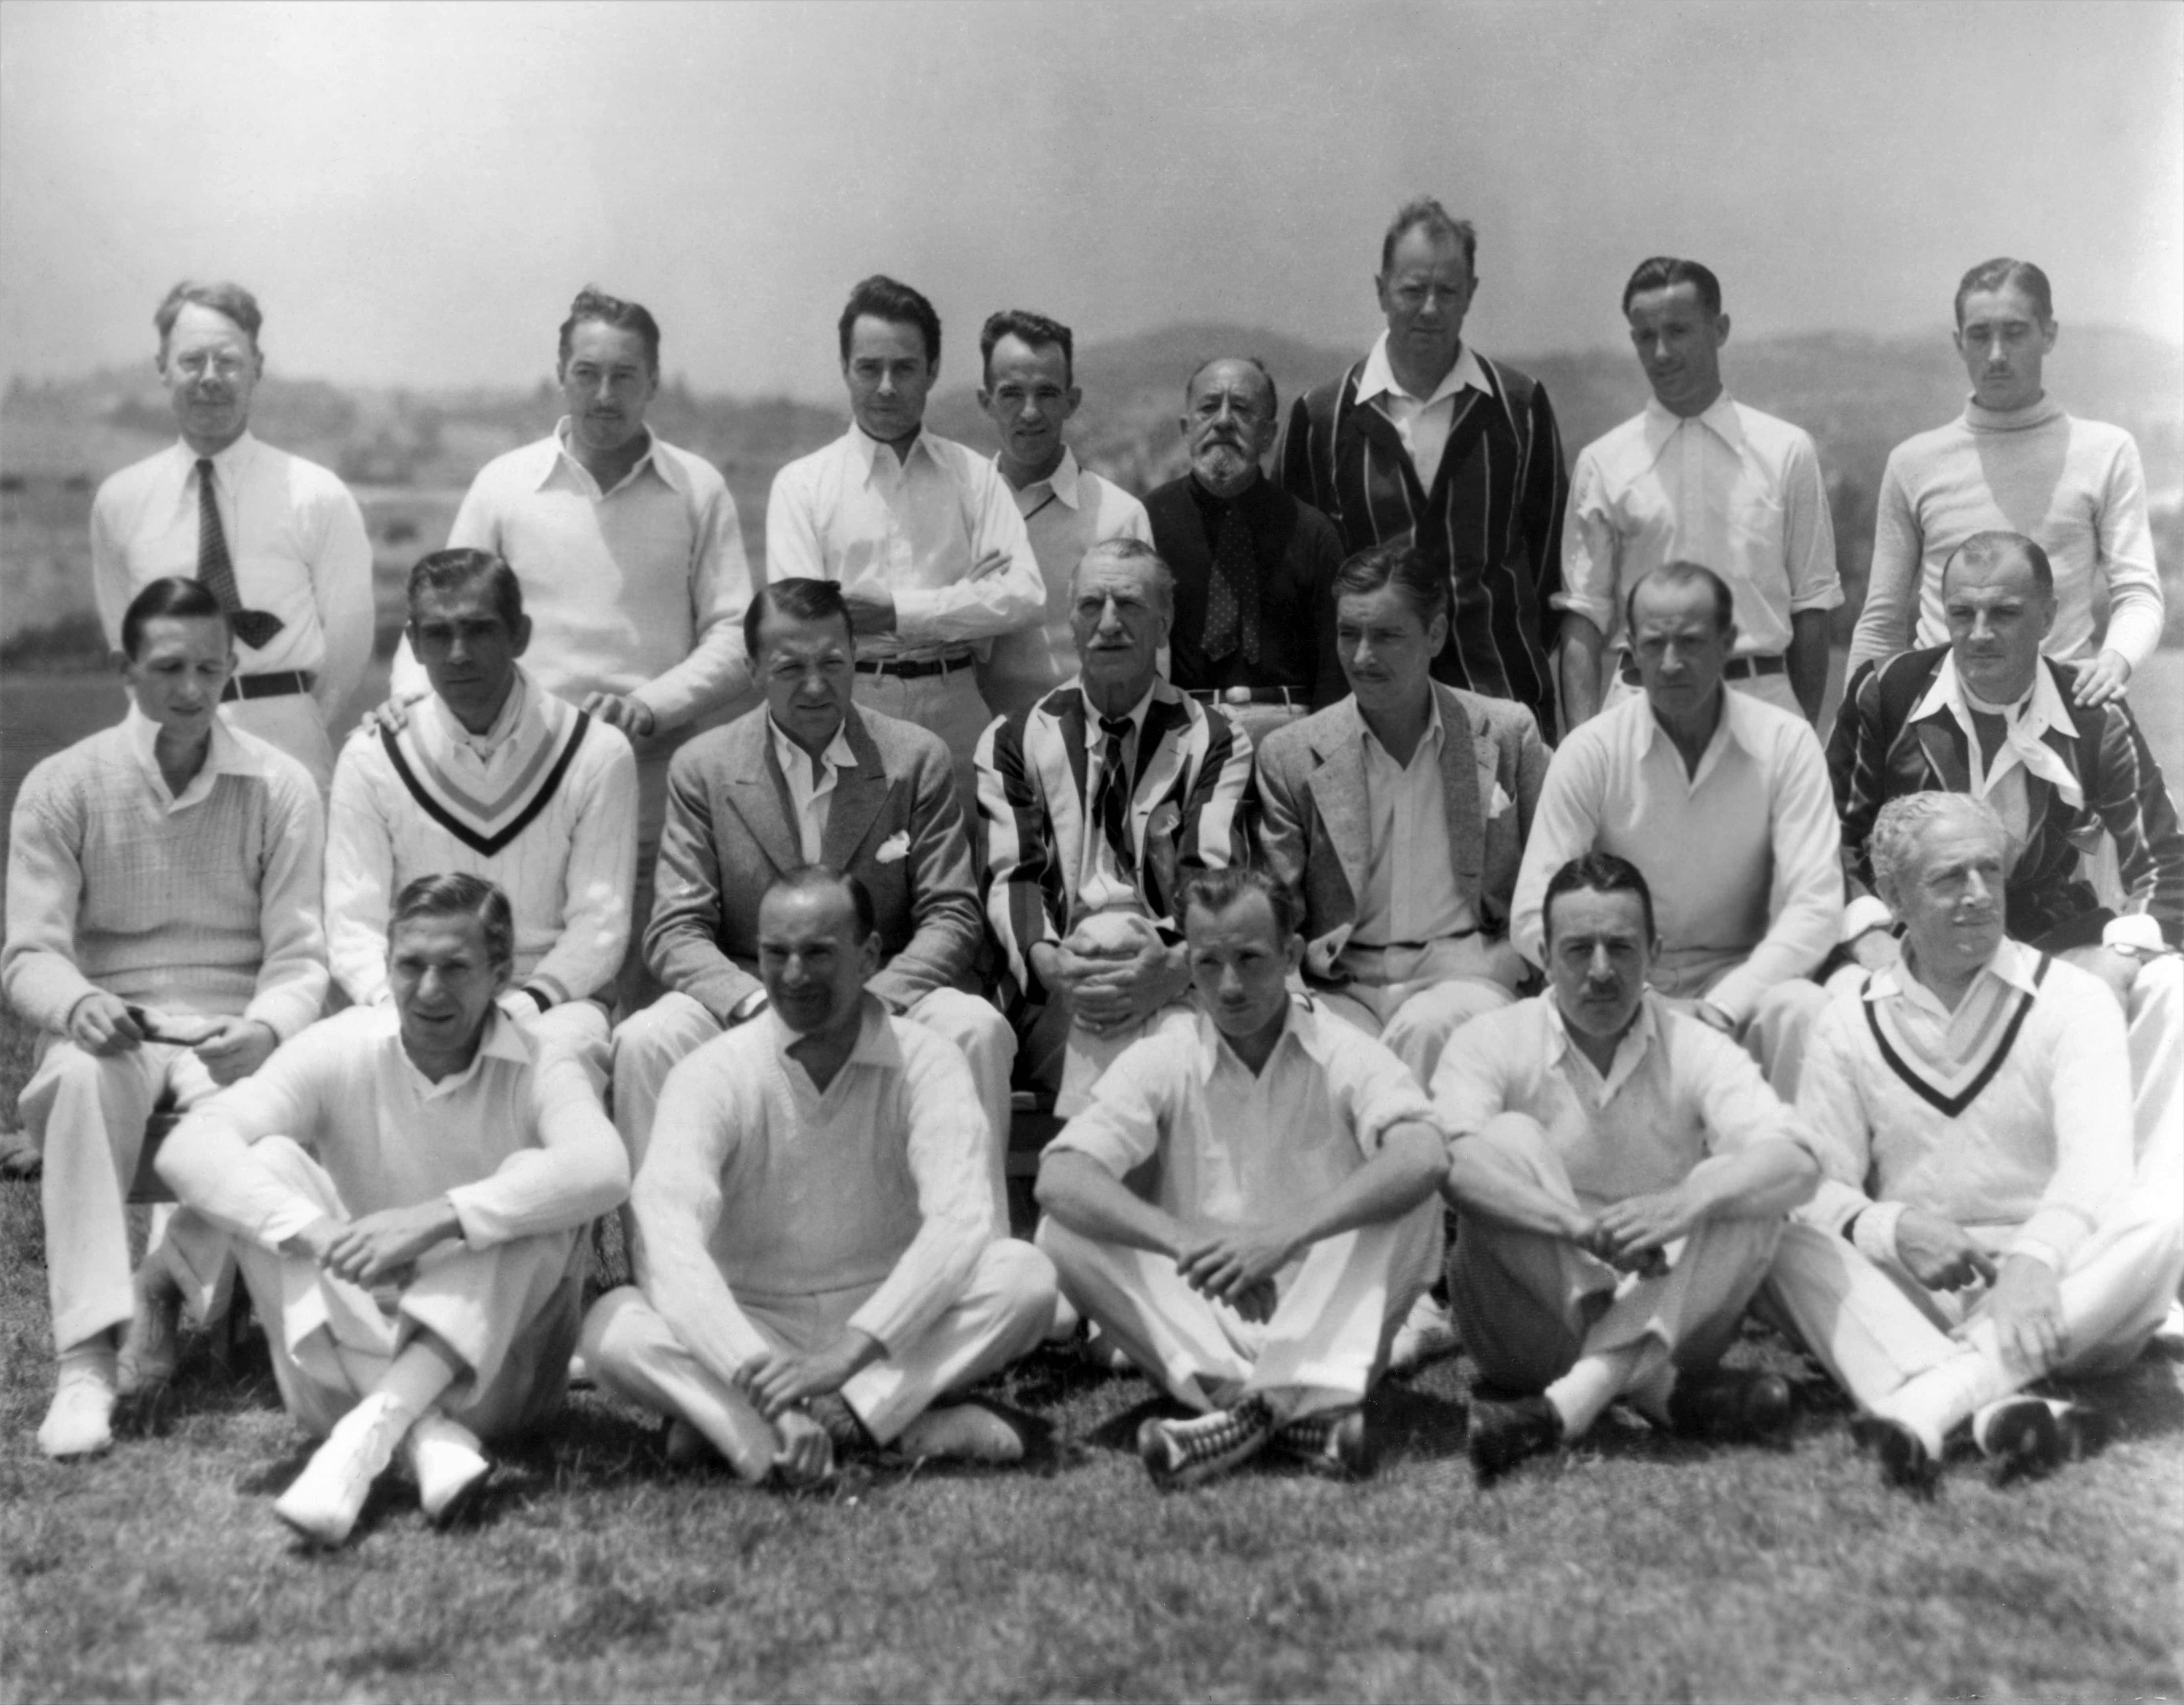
(1032, 813)
(1492, 523)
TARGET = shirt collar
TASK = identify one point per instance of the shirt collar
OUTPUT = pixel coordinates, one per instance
(663, 468)
(2028, 722)
(1300, 1029)
(865, 449)
(1642, 1034)
(223, 757)
(504, 724)
(1720, 417)
(504, 1040)
(1735, 724)
(1063, 481)
(795, 760)
(228, 464)
(1436, 730)
(875, 1045)
(1136, 713)
(2013, 963)
(1380, 376)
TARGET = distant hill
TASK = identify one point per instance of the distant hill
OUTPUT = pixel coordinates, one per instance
(410, 452)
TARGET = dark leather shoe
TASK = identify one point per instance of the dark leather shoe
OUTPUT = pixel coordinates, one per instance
(1502, 1434)
(1732, 1403)
(1903, 1457)
(2020, 1440)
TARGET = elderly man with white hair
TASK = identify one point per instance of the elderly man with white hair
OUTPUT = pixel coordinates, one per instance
(1981, 1226)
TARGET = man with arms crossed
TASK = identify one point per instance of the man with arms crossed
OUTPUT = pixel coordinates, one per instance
(492, 775)
(1030, 392)
(1981, 1226)
(1295, 1217)
(923, 534)
(277, 540)
(817, 1258)
(811, 778)
(1254, 567)
(1426, 439)
(1096, 804)
(1725, 798)
(631, 559)
(164, 938)
(1620, 1173)
(404, 1186)
(1702, 477)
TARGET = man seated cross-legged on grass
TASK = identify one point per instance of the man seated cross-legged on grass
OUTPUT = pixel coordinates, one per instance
(1983, 1222)
(1620, 1172)
(404, 1186)
(818, 1256)
(1294, 1219)
(164, 938)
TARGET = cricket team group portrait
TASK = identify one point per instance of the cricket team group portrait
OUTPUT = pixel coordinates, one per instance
(1400, 973)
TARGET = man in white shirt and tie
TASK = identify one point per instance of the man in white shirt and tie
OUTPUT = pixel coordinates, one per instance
(923, 533)
(1700, 476)
(278, 540)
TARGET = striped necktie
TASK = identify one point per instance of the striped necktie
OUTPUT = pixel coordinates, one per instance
(253, 627)
(1113, 807)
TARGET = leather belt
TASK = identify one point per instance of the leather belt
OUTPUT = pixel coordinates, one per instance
(1297, 696)
(914, 670)
(278, 684)
(1736, 668)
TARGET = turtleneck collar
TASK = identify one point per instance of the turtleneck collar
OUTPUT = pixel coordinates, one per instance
(2037, 414)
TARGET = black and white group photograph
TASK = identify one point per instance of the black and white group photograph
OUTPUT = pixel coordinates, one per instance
(1071, 849)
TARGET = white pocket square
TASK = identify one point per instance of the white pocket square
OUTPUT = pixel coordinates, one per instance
(895, 848)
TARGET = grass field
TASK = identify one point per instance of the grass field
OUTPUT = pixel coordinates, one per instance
(1638, 1568)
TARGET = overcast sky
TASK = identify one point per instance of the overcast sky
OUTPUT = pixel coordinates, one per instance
(414, 190)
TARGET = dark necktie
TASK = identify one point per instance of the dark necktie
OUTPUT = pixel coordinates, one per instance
(1113, 807)
(253, 627)
(1232, 595)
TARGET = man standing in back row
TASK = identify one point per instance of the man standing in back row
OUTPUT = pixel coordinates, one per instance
(1428, 439)
(279, 541)
(923, 533)
(1700, 477)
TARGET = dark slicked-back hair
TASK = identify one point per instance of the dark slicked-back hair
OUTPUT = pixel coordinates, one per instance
(593, 302)
(819, 878)
(1222, 887)
(1400, 566)
(2002, 273)
(1273, 393)
(1595, 872)
(1682, 573)
(1985, 549)
(220, 296)
(1035, 329)
(460, 894)
(444, 571)
(170, 595)
(1666, 272)
(799, 599)
(892, 300)
(1424, 210)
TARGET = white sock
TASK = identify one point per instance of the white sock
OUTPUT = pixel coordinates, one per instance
(1932, 1403)
(94, 1358)
(1581, 1395)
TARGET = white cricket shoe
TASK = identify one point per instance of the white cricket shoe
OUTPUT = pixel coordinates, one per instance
(447, 1463)
(79, 1423)
(328, 1495)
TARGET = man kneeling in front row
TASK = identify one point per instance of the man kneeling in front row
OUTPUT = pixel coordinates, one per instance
(404, 1188)
(1620, 1173)
(818, 1256)
(1982, 1225)
(1294, 1222)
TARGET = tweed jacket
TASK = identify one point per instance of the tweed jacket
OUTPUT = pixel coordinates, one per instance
(1314, 824)
(1492, 522)
(1882, 748)
(893, 822)
(1187, 814)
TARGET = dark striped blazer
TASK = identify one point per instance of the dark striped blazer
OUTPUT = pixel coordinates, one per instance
(1881, 748)
(1187, 813)
(1493, 522)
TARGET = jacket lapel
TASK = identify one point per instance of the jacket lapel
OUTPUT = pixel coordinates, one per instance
(1942, 743)
(860, 795)
(1338, 791)
(1461, 753)
(758, 794)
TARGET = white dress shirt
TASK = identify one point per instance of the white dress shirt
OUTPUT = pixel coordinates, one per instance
(1743, 857)
(639, 590)
(814, 800)
(1731, 489)
(2001, 782)
(1423, 423)
(295, 538)
(1409, 893)
(913, 528)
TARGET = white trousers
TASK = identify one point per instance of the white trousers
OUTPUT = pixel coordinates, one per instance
(87, 1111)
(1875, 1327)
(292, 722)
(1004, 1310)
(1415, 1000)
(650, 1044)
(948, 705)
(1528, 1304)
(1323, 1348)
(510, 1313)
